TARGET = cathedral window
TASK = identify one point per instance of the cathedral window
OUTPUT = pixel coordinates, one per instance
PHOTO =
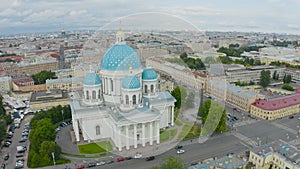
(97, 130)
(152, 88)
(134, 99)
(94, 94)
(99, 94)
(146, 88)
(127, 99)
(87, 94)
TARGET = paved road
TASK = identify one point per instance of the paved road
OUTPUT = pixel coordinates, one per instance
(12, 150)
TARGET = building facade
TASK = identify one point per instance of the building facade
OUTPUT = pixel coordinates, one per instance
(276, 108)
(122, 102)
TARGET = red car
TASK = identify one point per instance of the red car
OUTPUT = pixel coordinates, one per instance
(120, 159)
(80, 167)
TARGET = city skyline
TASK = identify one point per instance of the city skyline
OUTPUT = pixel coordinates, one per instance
(26, 16)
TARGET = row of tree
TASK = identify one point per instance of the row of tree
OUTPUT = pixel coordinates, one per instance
(213, 117)
(285, 43)
(192, 62)
(40, 78)
(243, 61)
(171, 162)
(182, 98)
(284, 64)
(42, 136)
(236, 51)
(5, 120)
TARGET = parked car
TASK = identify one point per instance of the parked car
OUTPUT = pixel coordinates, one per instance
(178, 147)
(91, 164)
(120, 159)
(180, 151)
(138, 155)
(3, 166)
(291, 117)
(150, 158)
(109, 162)
(80, 167)
(128, 158)
(100, 163)
(6, 157)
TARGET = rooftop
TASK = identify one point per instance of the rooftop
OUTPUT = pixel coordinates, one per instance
(278, 103)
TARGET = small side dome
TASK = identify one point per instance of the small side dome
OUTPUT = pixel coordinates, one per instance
(92, 78)
(131, 82)
(149, 74)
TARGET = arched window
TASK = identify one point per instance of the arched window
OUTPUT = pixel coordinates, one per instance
(99, 94)
(97, 130)
(127, 99)
(134, 99)
(94, 94)
(87, 94)
(152, 88)
(146, 88)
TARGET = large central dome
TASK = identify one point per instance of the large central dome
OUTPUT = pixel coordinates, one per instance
(121, 57)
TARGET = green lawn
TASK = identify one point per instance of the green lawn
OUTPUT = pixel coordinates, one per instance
(93, 148)
(164, 136)
(178, 122)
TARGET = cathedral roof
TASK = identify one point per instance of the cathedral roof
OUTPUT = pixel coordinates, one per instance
(131, 82)
(149, 74)
(121, 57)
(92, 78)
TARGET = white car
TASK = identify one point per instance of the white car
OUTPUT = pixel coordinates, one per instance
(138, 155)
(180, 151)
(100, 163)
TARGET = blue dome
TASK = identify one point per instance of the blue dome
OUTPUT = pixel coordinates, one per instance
(131, 82)
(91, 78)
(120, 57)
(149, 74)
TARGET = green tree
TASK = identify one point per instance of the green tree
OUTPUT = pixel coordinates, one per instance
(288, 78)
(287, 87)
(179, 93)
(213, 117)
(46, 149)
(3, 127)
(44, 131)
(275, 74)
(172, 162)
(265, 78)
(40, 78)
(284, 79)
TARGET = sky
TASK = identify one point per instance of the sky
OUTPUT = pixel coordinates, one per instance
(31, 16)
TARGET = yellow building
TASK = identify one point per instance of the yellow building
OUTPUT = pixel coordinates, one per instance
(276, 108)
(276, 155)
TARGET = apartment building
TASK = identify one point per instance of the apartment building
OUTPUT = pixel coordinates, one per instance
(271, 109)
(276, 155)
(236, 96)
(5, 84)
(182, 75)
(68, 84)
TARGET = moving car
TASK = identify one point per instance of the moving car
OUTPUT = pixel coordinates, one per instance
(180, 151)
(6, 157)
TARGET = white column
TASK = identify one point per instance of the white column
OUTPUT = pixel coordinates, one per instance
(172, 116)
(157, 133)
(119, 138)
(127, 137)
(151, 133)
(134, 136)
(76, 130)
(143, 135)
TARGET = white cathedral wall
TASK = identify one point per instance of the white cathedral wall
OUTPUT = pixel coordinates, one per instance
(89, 127)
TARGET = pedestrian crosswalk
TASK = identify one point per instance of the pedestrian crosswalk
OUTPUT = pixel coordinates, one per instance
(245, 139)
(282, 126)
